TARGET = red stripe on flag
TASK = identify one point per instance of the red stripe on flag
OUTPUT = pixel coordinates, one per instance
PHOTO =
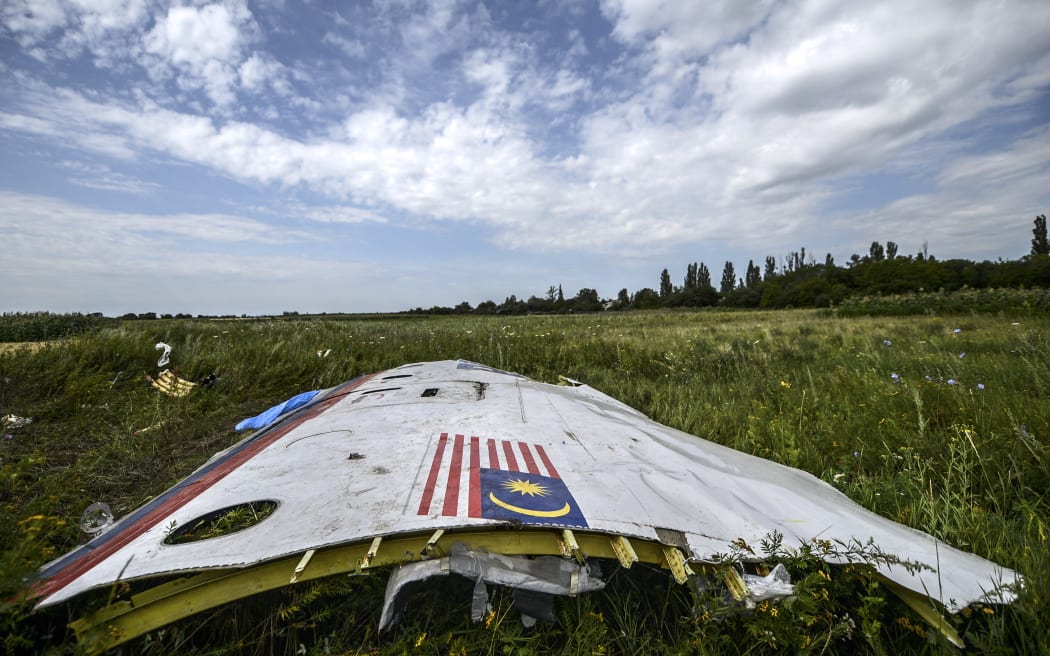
(551, 471)
(474, 493)
(452, 488)
(435, 468)
(530, 462)
(512, 462)
(493, 455)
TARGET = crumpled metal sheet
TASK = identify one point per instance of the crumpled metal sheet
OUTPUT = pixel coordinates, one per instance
(544, 575)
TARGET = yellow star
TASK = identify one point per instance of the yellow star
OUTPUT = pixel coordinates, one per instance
(525, 487)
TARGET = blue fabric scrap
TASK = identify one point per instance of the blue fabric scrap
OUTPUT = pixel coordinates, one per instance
(266, 418)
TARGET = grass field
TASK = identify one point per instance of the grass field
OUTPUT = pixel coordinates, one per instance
(939, 422)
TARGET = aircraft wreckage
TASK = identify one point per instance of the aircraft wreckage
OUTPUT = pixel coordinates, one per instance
(457, 467)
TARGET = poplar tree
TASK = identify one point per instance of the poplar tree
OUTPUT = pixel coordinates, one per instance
(691, 276)
(728, 279)
(665, 284)
(703, 276)
(1040, 245)
(754, 274)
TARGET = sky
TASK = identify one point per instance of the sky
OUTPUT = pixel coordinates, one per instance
(257, 157)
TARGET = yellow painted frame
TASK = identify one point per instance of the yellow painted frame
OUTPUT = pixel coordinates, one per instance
(163, 604)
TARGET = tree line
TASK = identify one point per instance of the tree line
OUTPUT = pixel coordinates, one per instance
(796, 280)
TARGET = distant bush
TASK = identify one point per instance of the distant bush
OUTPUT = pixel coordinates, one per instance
(963, 301)
(41, 326)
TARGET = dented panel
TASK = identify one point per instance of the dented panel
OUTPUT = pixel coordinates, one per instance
(381, 457)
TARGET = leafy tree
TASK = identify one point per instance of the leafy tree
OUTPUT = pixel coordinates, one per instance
(665, 284)
(586, 301)
(771, 267)
(876, 253)
(537, 304)
(705, 296)
(728, 279)
(1040, 245)
(891, 250)
(511, 305)
(623, 298)
(645, 298)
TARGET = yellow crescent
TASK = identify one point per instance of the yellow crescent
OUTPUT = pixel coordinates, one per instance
(564, 510)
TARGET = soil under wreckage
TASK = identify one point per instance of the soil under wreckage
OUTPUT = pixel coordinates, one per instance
(456, 467)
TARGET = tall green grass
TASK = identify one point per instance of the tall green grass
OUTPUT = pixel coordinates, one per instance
(887, 409)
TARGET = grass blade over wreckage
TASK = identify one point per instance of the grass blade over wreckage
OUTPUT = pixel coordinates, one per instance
(453, 466)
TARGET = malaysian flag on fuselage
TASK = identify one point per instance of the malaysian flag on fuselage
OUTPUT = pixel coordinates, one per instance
(485, 478)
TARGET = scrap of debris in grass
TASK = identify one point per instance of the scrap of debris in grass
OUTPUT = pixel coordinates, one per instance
(165, 357)
(170, 384)
(14, 421)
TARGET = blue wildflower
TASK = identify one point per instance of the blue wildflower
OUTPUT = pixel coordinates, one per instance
(887, 342)
(951, 381)
(980, 386)
(896, 378)
(957, 331)
(962, 355)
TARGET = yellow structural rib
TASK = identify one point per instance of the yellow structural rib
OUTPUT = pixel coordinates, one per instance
(156, 607)
(166, 603)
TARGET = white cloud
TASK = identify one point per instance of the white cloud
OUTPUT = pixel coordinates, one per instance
(492, 70)
(673, 30)
(42, 224)
(99, 176)
(193, 37)
(203, 47)
(725, 116)
(982, 204)
(432, 29)
(262, 73)
(30, 21)
(1028, 158)
(337, 214)
(69, 257)
(349, 47)
(820, 89)
(101, 27)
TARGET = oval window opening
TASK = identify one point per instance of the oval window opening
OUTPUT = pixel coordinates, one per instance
(221, 522)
